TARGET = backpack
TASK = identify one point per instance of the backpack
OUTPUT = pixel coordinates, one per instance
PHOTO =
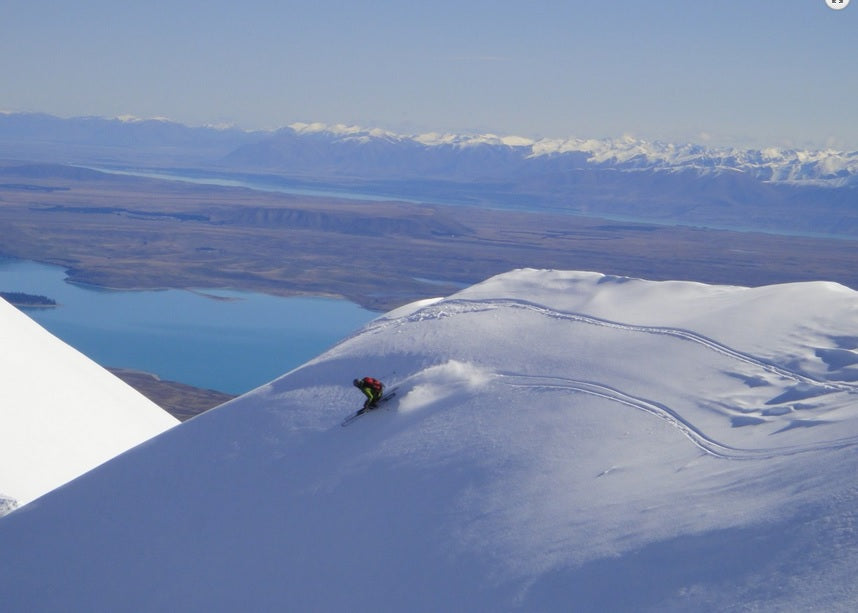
(373, 383)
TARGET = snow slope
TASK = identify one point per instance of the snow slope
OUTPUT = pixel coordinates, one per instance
(60, 413)
(559, 441)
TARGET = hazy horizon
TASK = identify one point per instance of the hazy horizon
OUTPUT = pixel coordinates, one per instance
(739, 74)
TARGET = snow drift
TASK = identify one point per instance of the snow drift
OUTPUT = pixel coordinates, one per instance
(61, 414)
(558, 441)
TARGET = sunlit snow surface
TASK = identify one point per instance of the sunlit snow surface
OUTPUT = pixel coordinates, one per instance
(559, 441)
(61, 414)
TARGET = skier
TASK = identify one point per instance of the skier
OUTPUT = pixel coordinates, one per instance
(372, 388)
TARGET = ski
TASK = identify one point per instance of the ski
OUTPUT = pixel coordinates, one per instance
(360, 412)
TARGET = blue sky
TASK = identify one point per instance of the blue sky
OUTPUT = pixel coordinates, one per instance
(744, 72)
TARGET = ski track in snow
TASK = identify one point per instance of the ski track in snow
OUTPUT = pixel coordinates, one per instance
(457, 306)
(468, 306)
(697, 436)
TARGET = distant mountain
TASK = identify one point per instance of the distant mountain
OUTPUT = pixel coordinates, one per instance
(40, 137)
(558, 441)
(773, 190)
(60, 413)
(343, 150)
(354, 150)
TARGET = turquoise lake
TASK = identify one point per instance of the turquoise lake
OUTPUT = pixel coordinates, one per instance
(230, 341)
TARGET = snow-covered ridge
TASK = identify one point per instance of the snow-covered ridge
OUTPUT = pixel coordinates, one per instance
(827, 167)
(61, 414)
(558, 441)
(136, 119)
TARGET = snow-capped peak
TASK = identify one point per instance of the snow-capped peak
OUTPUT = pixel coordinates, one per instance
(136, 119)
(826, 167)
(773, 164)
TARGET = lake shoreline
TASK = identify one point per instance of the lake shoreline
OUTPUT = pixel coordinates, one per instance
(211, 339)
(375, 254)
(181, 400)
(23, 300)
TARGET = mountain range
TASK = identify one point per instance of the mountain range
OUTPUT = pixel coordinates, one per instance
(775, 190)
(481, 156)
(557, 441)
(341, 149)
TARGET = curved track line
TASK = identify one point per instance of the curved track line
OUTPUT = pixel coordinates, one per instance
(694, 434)
(463, 306)
(458, 306)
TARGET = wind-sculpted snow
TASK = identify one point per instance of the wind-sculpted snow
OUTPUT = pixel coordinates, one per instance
(558, 441)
